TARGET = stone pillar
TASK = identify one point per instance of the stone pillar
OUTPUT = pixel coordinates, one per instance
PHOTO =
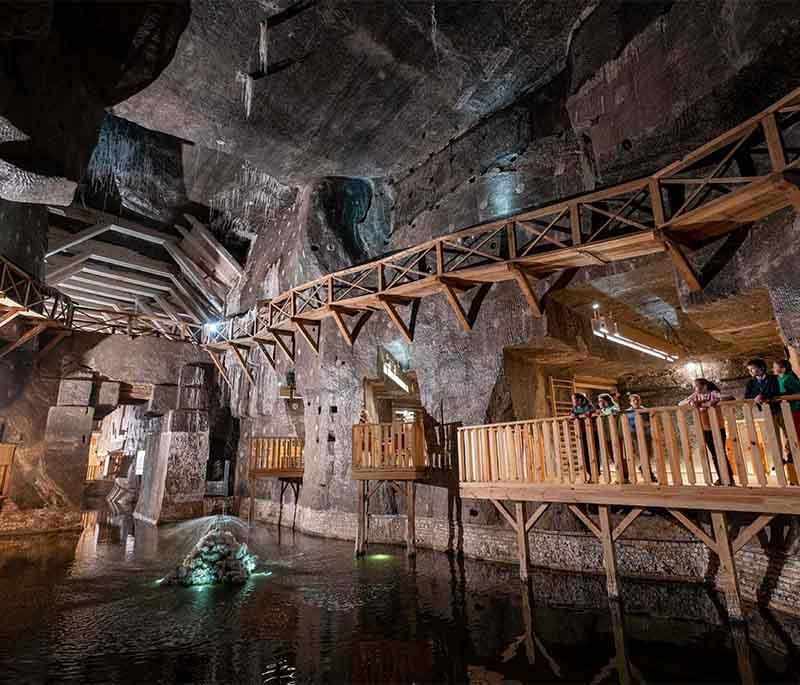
(174, 480)
(67, 436)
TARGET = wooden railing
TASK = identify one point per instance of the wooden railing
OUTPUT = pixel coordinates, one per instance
(276, 456)
(665, 446)
(403, 446)
(6, 462)
(389, 446)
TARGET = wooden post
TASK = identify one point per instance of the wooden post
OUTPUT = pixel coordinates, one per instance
(411, 543)
(522, 540)
(620, 643)
(251, 516)
(609, 554)
(361, 498)
(725, 552)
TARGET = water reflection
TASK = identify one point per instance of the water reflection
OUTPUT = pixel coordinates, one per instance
(87, 609)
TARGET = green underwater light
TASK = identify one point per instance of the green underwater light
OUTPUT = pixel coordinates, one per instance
(261, 574)
(379, 557)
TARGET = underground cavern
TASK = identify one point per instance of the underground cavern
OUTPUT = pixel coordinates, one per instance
(399, 341)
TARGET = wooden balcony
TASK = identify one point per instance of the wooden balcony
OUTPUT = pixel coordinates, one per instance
(6, 462)
(402, 451)
(277, 457)
(660, 461)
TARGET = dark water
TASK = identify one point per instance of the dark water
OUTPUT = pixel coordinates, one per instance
(89, 611)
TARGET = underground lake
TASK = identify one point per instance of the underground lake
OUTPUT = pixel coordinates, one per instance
(90, 608)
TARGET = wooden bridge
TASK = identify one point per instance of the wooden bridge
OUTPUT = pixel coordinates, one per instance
(739, 177)
(276, 457)
(652, 458)
(395, 453)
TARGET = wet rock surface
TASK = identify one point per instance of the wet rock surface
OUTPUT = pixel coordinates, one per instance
(217, 558)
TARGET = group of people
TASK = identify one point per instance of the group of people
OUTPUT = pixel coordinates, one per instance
(762, 387)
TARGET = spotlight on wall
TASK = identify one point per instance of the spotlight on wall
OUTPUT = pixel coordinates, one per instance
(595, 305)
(212, 326)
(693, 369)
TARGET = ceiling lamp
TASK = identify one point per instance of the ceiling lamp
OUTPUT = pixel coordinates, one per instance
(604, 326)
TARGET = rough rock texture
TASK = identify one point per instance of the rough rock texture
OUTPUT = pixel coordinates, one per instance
(64, 64)
(51, 473)
(218, 557)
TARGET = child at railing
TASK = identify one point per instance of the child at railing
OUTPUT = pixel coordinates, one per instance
(582, 411)
(707, 396)
(635, 407)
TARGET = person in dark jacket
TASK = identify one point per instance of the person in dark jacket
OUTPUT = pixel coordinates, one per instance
(762, 386)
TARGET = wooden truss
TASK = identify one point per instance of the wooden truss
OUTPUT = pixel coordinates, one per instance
(742, 176)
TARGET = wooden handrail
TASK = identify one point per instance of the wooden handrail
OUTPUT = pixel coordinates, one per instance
(274, 454)
(389, 445)
(661, 446)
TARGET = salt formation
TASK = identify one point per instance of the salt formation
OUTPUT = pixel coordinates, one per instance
(217, 558)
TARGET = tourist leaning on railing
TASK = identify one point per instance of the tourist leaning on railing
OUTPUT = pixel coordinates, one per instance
(582, 411)
(762, 386)
(635, 407)
(707, 396)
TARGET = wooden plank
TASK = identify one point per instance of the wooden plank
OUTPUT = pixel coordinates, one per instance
(725, 552)
(609, 553)
(722, 453)
(791, 432)
(220, 367)
(777, 500)
(627, 441)
(10, 315)
(615, 448)
(772, 135)
(262, 346)
(590, 444)
(729, 413)
(683, 266)
(752, 446)
(570, 455)
(658, 449)
(534, 307)
(601, 439)
(773, 444)
(458, 310)
(672, 448)
(242, 363)
(641, 442)
(522, 540)
(686, 448)
(701, 445)
(300, 325)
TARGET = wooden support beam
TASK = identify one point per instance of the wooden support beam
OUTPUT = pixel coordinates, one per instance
(220, 367)
(751, 531)
(609, 553)
(389, 305)
(725, 552)
(522, 540)
(694, 529)
(52, 343)
(411, 524)
(466, 319)
(73, 239)
(633, 514)
(349, 336)
(280, 334)
(772, 135)
(10, 315)
(583, 518)
(361, 516)
(25, 337)
(534, 306)
(262, 346)
(506, 515)
(301, 325)
(683, 265)
(242, 363)
(536, 515)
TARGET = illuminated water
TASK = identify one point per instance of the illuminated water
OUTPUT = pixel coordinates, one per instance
(91, 611)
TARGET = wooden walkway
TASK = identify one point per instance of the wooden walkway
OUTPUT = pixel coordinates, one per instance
(400, 455)
(655, 458)
(743, 175)
(276, 457)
